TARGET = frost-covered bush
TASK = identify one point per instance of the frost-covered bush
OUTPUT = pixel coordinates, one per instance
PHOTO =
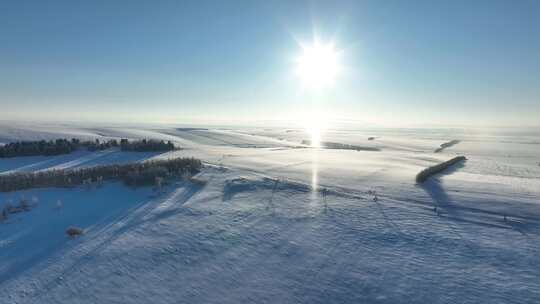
(8, 208)
(58, 205)
(23, 204)
(447, 145)
(146, 176)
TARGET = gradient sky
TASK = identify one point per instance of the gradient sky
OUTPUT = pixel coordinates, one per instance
(406, 62)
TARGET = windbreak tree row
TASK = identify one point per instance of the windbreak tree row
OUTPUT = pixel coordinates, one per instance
(423, 175)
(133, 174)
(65, 146)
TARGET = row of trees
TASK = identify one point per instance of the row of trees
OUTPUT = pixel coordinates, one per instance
(42, 147)
(134, 174)
(423, 175)
(65, 146)
(146, 145)
(340, 146)
(447, 145)
(98, 145)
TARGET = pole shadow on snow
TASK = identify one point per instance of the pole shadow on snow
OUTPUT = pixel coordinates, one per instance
(243, 184)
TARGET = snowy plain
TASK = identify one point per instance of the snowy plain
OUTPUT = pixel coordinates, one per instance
(280, 222)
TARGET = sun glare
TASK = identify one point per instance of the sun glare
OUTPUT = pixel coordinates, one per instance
(314, 125)
(315, 135)
(318, 65)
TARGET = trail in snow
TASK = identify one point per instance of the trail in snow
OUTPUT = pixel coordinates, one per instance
(76, 159)
(36, 163)
(81, 160)
(226, 250)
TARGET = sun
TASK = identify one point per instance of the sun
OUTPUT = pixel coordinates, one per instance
(318, 65)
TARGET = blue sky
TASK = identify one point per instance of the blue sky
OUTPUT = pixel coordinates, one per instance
(405, 62)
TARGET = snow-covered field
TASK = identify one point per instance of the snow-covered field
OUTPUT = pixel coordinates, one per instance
(278, 222)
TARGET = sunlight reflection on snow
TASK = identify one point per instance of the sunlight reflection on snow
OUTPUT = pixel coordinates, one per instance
(314, 174)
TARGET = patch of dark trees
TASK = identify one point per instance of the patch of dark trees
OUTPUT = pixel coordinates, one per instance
(446, 145)
(340, 146)
(42, 147)
(146, 145)
(133, 174)
(191, 129)
(65, 146)
(438, 168)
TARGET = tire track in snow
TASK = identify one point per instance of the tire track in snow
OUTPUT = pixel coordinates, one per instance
(287, 166)
(79, 161)
(87, 249)
(29, 167)
(452, 228)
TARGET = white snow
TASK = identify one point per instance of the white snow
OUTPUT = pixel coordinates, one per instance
(276, 223)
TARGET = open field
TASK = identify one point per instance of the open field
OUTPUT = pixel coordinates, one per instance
(268, 222)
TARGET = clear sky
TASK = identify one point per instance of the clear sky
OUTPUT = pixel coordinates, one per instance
(404, 62)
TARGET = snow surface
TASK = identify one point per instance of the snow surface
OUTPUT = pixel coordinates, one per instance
(278, 222)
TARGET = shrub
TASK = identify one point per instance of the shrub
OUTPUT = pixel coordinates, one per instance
(23, 205)
(74, 231)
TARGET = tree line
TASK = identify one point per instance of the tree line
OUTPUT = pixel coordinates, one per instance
(42, 147)
(134, 174)
(423, 175)
(65, 146)
(146, 145)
